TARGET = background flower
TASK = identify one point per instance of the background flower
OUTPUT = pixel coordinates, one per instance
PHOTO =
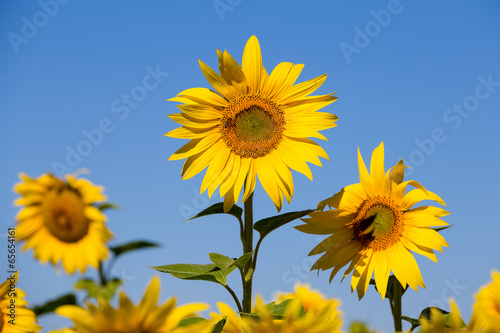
(145, 317)
(60, 221)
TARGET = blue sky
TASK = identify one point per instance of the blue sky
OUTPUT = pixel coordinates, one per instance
(422, 76)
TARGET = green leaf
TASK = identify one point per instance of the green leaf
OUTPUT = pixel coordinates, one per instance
(208, 272)
(107, 205)
(218, 208)
(242, 261)
(221, 260)
(95, 290)
(131, 246)
(52, 305)
(265, 226)
(443, 228)
(278, 310)
(190, 321)
(426, 313)
(219, 326)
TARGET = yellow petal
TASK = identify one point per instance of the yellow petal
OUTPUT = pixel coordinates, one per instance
(252, 63)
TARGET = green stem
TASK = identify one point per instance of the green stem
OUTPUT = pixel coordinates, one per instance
(396, 307)
(248, 247)
(102, 277)
(236, 300)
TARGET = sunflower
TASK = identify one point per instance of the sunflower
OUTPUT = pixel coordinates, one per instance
(146, 317)
(253, 124)
(486, 314)
(15, 317)
(375, 228)
(60, 222)
(324, 319)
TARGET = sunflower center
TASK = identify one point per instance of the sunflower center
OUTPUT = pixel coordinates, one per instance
(378, 223)
(63, 214)
(252, 126)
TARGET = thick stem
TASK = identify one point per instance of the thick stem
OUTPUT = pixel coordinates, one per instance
(248, 247)
(396, 308)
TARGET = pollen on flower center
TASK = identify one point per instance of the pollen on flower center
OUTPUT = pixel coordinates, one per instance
(63, 214)
(252, 126)
(379, 223)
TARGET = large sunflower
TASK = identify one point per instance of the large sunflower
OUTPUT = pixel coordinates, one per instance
(15, 317)
(375, 228)
(253, 124)
(60, 222)
(145, 317)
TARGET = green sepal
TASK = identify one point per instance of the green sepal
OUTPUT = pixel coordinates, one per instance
(208, 272)
(438, 229)
(131, 246)
(219, 326)
(190, 321)
(392, 283)
(107, 205)
(52, 305)
(96, 291)
(218, 208)
(265, 226)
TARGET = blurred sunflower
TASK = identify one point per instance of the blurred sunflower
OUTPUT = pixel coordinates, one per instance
(486, 314)
(18, 319)
(146, 317)
(324, 319)
(233, 320)
(253, 124)
(60, 222)
(375, 228)
(311, 300)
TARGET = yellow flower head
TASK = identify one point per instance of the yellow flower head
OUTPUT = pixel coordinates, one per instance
(146, 317)
(486, 314)
(374, 227)
(325, 319)
(253, 124)
(60, 222)
(15, 317)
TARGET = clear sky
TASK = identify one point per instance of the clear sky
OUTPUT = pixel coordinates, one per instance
(422, 76)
